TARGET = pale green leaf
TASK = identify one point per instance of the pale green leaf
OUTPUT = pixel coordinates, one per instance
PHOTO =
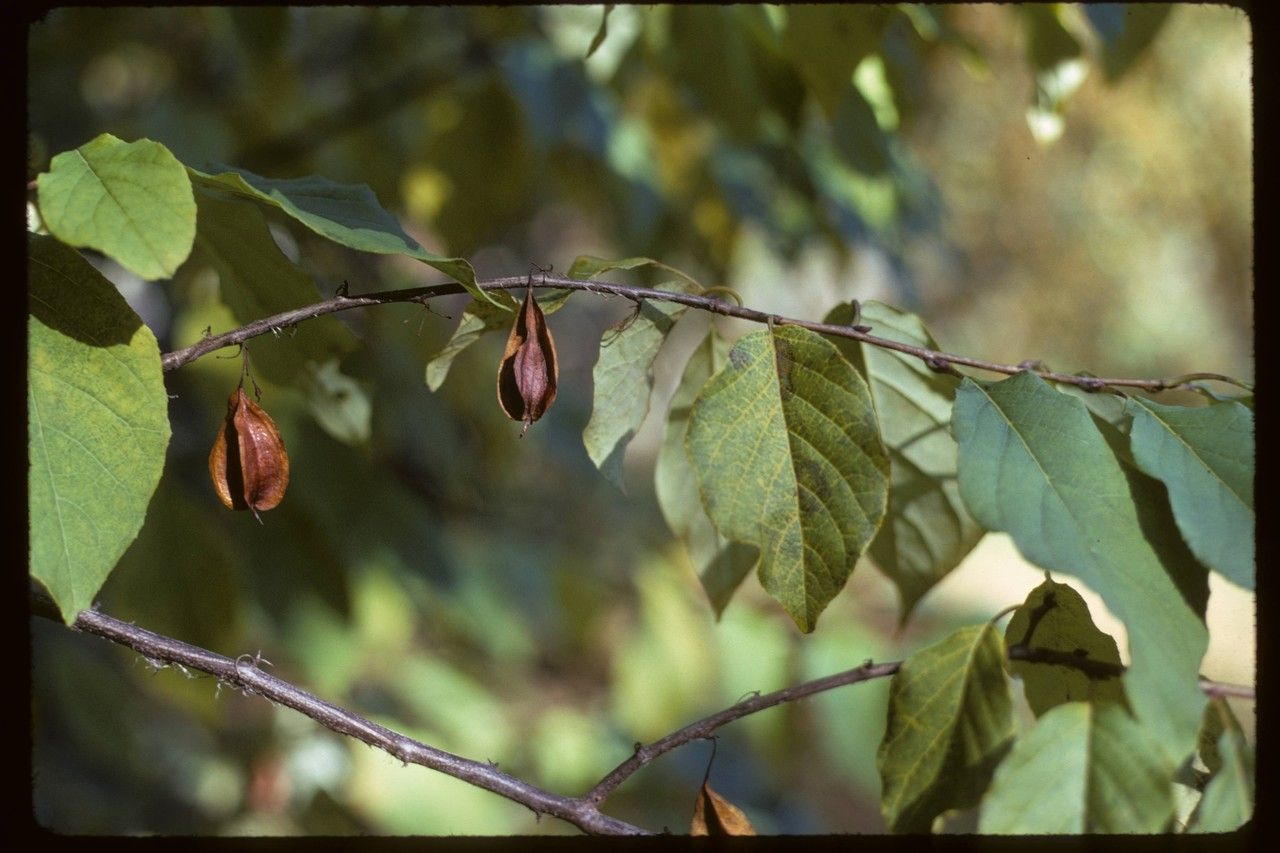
(788, 457)
(129, 200)
(1082, 768)
(950, 722)
(1034, 464)
(1055, 618)
(1204, 456)
(928, 530)
(97, 423)
(348, 214)
(623, 379)
(258, 281)
(1228, 799)
(478, 319)
(339, 403)
(721, 565)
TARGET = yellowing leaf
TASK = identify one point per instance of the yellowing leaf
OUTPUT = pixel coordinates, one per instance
(714, 815)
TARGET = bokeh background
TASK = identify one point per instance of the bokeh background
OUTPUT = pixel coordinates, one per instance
(1057, 183)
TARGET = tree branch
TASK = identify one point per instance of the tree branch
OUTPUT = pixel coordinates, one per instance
(936, 360)
(245, 674)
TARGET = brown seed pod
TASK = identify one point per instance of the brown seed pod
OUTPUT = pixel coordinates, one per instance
(528, 371)
(248, 463)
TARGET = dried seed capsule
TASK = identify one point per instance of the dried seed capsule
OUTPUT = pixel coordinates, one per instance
(528, 371)
(248, 463)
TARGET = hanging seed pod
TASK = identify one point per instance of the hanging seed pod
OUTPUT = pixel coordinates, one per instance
(528, 372)
(248, 464)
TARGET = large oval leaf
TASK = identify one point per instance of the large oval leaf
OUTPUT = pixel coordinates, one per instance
(950, 722)
(1033, 463)
(1083, 768)
(789, 458)
(97, 423)
(131, 200)
(928, 530)
(1204, 456)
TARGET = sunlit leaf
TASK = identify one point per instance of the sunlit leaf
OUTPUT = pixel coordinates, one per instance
(714, 815)
(130, 200)
(950, 722)
(788, 456)
(1055, 618)
(1204, 456)
(623, 378)
(721, 565)
(97, 423)
(1082, 768)
(1034, 464)
(927, 531)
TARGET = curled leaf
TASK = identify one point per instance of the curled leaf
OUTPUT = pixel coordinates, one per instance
(528, 371)
(248, 463)
(714, 815)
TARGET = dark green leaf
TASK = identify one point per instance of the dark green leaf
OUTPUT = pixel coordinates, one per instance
(826, 43)
(348, 214)
(1125, 30)
(950, 722)
(857, 136)
(1228, 799)
(602, 33)
(97, 423)
(258, 281)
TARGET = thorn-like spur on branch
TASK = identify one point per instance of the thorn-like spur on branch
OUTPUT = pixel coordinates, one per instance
(939, 361)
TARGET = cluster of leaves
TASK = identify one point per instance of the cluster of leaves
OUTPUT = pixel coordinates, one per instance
(785, 452)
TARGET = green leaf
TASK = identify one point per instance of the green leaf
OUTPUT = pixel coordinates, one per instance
(130, 200)
(1125, 31)
(97, 423)
(589, 266)
(1082, 768)
(857, 136)
(602, 33)
(339, 403)
(950, 722)
(1034, 464)
(478, 319)
(1055, 618)
(927, 531)
(827, 42)
(789, 458)
(721, 565)
(258, 281)
(623, 376)
(348, 214)
(1204, 456)
(1228, 799)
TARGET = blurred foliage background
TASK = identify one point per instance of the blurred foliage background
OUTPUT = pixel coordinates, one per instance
(1072, 184)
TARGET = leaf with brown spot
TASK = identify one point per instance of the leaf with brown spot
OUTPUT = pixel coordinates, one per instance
(714, 815)
(248, 463)
(528, 372)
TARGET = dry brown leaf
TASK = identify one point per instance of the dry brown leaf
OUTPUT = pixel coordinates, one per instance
(714, 815)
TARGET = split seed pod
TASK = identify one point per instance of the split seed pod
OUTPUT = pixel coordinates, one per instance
(528, 372)
(248, 464)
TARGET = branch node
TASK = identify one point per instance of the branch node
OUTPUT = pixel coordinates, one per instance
(1092, 384)
(939, 364)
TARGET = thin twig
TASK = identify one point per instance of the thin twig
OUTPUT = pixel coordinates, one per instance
(936, 360)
